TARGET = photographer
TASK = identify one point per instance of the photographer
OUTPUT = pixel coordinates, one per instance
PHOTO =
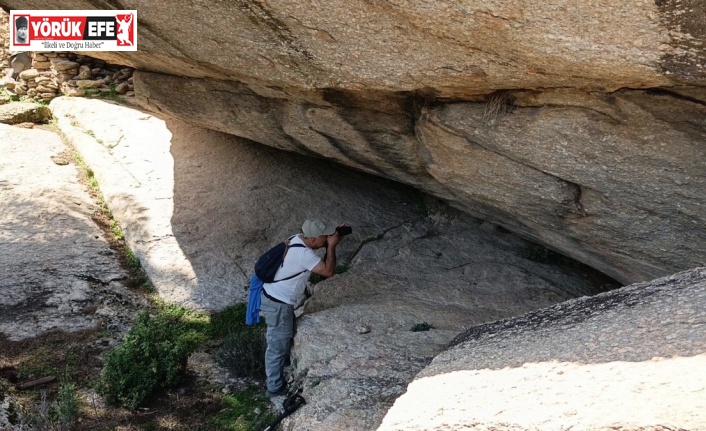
(280, 297)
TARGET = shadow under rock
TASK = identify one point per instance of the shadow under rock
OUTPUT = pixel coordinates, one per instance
(233, 199)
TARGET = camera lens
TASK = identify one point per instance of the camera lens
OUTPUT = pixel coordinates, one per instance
(344, 230)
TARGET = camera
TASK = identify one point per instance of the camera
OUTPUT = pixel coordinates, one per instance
(344, 230)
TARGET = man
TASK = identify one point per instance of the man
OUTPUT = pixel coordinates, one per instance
(21, 24)
(280, 297)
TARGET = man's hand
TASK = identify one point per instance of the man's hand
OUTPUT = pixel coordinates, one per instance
(327, 267)
(334, 239)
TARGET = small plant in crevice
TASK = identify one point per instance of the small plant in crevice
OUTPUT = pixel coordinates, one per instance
(421, 327)
(227, 321)
(92, 134)
(137, 277)
(115, 228)
(340, 269)
(496, 107)
(112, 94)
(540, 254)
(58, 415)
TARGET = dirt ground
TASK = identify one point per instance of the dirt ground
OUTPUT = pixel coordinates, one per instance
(75, 358)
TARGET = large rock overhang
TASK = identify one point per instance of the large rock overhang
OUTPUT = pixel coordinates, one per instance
(579, 126)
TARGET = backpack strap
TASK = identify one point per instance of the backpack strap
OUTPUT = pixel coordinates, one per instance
(286, 249)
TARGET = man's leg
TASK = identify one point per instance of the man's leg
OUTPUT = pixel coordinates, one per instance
(280, 326)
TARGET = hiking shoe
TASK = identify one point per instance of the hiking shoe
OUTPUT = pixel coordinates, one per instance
(278, 393)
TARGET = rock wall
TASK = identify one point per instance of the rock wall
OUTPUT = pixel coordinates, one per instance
(577, 125)
(4, 40)
(612, 180)
(450, 49)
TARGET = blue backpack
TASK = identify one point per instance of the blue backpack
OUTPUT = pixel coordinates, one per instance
(265, 269)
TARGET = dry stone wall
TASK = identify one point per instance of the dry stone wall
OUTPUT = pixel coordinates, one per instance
(4, 40)
(55, 74)
(59, 73)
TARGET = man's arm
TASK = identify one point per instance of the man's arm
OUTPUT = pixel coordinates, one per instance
(327, 267)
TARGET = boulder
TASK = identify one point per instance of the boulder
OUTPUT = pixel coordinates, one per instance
(21, 112)
(64, 66)
(447, 50)
(29, 74)
(88, 83)
(366, 333)
(363, 84)
(619, 176)
(122, 88)
(630, 359)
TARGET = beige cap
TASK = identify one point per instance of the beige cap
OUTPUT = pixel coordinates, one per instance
(315, 227)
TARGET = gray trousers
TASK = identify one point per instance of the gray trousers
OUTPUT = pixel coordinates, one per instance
(280, 330)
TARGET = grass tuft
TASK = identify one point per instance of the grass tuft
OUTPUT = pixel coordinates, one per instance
(244, 411)
(497, 106)
(340, 269)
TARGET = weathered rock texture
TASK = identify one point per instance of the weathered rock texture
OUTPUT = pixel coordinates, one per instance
(58, 271)
(630, 359)
(24, 112)
(552, 135)
(615, 181)
(451, 49)
(356, 345)
(198, 207)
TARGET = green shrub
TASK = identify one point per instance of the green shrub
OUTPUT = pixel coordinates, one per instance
(153, 356)
(243, 352)
(228, 321)
(66, 404)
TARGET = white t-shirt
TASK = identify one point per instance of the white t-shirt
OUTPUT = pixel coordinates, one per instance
(298, 259)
